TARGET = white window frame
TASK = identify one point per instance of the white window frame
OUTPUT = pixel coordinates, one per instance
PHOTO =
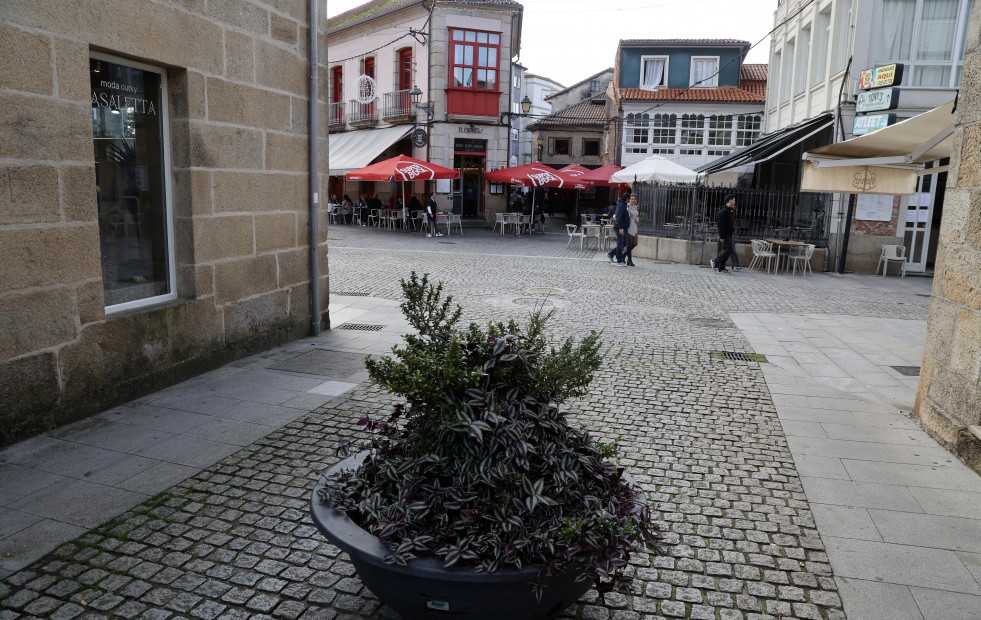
(842, 37)
(803, 59)
(168, 188)
(821, 34)
(773, 81)
(787, 71)
(645, 58)
(714, 82)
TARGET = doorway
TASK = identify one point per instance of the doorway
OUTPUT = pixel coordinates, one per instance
(468, 194)
(921, 224)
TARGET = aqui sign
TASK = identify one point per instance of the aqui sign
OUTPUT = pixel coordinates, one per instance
(886, 75)
(872, 122)
(879, 99)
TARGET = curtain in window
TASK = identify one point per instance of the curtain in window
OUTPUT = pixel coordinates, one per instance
(937, 28)
(653, 74)
(897, 29)
(703, 72)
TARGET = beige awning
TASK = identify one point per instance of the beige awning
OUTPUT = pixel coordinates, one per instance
(350, 150)
(887, 161)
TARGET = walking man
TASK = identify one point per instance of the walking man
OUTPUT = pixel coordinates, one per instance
(727, 231)
(621, 223)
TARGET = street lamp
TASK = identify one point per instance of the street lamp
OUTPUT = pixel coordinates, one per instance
(525, 109)
(541, 147)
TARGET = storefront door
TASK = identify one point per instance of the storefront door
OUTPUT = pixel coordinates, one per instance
(922, 208)
(468, 190)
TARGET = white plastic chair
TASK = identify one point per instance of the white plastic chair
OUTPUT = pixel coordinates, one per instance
(573, 233)
(762, 251)
(498, 221)
(892, 254)
(803, 256)
(454, 220)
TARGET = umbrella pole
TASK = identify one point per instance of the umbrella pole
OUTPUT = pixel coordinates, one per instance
(534, 195)
(405, 222)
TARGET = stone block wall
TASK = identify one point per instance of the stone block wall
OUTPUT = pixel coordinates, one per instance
(948, 401)
(238, 134)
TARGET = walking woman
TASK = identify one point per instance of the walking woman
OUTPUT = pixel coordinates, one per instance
(632, 229)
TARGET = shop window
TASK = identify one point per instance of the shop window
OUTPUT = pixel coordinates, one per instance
(560, 146)
(129, 110)
(590, 147)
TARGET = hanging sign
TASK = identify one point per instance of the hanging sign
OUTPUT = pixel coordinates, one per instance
(419, 137)
(886, 75)
(872, 122)
(878, 99)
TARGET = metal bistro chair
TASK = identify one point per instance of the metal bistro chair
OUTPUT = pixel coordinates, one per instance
(803, 256)
(762, 251)
(574, 233)
(892, 254)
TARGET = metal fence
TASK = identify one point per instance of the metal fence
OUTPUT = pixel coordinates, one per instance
(689, 212)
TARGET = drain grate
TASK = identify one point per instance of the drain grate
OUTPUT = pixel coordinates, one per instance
(909, 371)
(361, 327)
(348, 294)
(698, 322)
(742, 357)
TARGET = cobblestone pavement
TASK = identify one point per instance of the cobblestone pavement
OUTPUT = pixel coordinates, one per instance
(698, 432)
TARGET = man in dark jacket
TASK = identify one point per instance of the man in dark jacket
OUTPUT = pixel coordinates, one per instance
(727, 230)
(621, 222)
(432, 216)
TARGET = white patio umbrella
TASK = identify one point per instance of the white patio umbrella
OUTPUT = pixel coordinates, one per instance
(655, 168)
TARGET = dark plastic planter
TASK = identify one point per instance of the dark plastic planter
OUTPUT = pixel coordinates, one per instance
(425, 589)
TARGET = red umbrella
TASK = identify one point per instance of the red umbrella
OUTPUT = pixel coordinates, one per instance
(535, 175)
(402, 168)
(574, 170)
(601, 176)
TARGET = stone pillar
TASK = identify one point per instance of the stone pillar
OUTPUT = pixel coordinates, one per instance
(948, 401)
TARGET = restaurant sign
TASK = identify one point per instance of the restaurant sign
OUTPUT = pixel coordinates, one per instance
(879, 99)
(461, 145)
(872, 122)
(886, 75)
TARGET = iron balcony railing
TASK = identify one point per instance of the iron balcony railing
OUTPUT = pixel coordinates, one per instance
(361, 112)
(689, 212)
(335, 114)
(397, 105)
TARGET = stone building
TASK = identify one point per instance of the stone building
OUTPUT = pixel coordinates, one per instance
(949, 397)
(156, 219)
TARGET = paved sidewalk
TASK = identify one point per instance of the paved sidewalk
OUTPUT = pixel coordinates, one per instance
(900, 516)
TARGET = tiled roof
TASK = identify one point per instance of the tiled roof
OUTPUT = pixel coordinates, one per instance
(755, 73)
(733, 95)
(683, 42)
(374, 8)
(588, 112)
(579, 83)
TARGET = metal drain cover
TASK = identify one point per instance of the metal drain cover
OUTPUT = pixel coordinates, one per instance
(348, 294)
(361, 327)
(535, 302)
(909, 371)
(545, 291)
(740, 356)
(709, 322)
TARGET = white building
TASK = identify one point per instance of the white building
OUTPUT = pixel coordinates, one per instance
(537, 88)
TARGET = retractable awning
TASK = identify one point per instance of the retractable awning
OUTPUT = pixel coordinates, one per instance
(351, 150)
(887, 161)
(770, 146)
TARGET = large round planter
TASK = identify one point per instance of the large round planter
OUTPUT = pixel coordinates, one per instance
(425, 589)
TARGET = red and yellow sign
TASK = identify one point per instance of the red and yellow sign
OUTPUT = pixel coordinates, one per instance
(886, 75)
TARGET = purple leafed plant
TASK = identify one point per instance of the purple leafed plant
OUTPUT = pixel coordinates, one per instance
(479, 467)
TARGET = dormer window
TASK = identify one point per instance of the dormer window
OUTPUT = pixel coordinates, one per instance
(653, 72)
(704, 71)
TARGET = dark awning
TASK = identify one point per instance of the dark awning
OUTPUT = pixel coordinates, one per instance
(769, 146)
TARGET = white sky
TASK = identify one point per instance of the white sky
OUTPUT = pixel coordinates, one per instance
(570, 40)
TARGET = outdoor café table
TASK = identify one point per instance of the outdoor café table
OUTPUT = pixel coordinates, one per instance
(784, 243)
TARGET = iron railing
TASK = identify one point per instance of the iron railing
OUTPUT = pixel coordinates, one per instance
(397, 104)
(361, 112)
(335, 114)
(689, 212)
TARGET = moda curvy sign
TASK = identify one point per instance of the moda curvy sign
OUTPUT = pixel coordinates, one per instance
(878, 99)
(871, 123)
(886, 75)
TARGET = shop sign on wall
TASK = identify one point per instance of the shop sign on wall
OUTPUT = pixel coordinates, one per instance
(874, 207)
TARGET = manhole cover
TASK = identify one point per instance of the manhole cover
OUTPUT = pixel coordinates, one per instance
(742, 357)
(348, 294)
(717, 323)
(545, 291)
(534, 302)
(909, 371)
(361, 327)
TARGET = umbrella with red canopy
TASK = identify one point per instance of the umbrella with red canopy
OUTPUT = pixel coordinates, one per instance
(578, 172)
(601, 175)
(535, 175)
(402, 168)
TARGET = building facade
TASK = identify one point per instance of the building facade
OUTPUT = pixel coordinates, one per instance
(818, 51)
(159, 214)
(689, 100)
(538, 89)
(459, 55)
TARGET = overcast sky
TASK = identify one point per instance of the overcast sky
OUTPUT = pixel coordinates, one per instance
(569, 40)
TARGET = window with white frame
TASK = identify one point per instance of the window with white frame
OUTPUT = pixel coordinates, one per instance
(636, 133)
(689, 151)
(692, 129)
(803, 55)
(843, 34)
(129, 136)
(664, 128)
(717, 152)
(773, 84)
(720, 130)
(704, 70)
(822, 34)
(788, 70)
(928, 36)
(748, 127)
(662, 151)
(653, 72)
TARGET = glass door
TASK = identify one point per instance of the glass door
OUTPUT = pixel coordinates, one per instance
(918, 222)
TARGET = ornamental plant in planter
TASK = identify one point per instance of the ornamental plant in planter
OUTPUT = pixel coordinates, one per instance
(476, 497)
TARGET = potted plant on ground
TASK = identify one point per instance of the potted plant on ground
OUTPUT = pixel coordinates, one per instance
(476, 497)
